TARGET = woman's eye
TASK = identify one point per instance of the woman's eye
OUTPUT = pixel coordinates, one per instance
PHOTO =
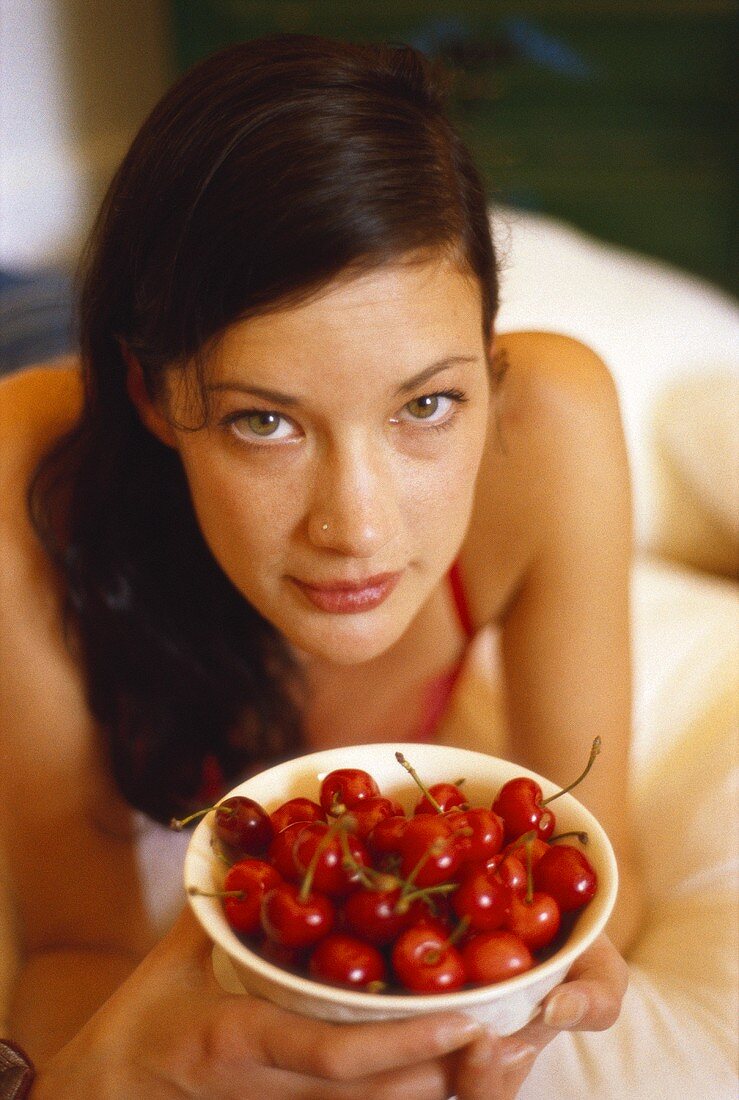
(263, 423)
(424, 407)
(260, 424)
(433, 407)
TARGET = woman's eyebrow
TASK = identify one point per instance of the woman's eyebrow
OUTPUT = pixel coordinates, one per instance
(429, 372)
(290, 400)
(254, 391)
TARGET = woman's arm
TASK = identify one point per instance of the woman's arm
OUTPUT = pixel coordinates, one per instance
(9, 948)
(566, 635)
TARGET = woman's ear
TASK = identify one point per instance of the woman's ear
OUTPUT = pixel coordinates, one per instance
(150, 416)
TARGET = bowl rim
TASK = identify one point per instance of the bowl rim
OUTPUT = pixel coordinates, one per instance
(209, 912)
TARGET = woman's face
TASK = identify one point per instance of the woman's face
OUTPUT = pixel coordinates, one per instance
(344, 443)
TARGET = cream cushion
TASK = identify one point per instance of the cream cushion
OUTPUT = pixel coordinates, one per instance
(676, 1036)
(671, 341)
(696, 443)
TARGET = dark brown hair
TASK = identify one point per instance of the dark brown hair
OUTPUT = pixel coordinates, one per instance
(266, 171)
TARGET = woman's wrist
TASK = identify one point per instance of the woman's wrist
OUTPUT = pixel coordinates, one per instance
(17, 1072)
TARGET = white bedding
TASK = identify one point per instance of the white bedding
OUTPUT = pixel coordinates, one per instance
(660, 330)
(677, 1033)
(672, 343)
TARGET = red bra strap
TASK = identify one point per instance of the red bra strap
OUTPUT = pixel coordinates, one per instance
(455, 579)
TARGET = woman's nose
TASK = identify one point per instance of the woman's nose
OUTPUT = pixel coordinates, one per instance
(354, 509)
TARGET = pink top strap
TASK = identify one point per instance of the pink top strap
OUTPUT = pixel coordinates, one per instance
(460, 600)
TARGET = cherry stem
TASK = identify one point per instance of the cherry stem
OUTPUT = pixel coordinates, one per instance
(433, 955)
(582, 837)
(459, 931)
(414, 776)
(195, 892)
(375, 987)
(337, 808)
(220, 855)
(528, 840)
(435, 848)
(595, 749)
(179, 823)
(404, 902)
(370, 878)
(311, 869)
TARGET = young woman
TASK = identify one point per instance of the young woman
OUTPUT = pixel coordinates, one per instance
(295, 468)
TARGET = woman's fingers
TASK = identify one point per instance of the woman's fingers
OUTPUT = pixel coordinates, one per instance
(426, 1081)
(346, 1052)
(589, 1000)
(494, 1069)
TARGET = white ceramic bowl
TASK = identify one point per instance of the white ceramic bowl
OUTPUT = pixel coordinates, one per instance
(505, 1007)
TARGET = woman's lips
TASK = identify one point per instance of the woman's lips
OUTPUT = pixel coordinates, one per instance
(346, 599)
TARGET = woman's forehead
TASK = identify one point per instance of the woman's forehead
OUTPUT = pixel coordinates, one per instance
(417, 304)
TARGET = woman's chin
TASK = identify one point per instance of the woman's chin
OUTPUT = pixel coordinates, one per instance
(343, 639)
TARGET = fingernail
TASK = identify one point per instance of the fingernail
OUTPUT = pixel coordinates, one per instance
(513, 1056)
(566, 1009)
(452, 1035)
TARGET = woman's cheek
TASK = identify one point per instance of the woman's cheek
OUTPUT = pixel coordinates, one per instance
(440, 496)
(242, 518)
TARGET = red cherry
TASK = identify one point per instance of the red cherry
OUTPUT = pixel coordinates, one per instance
(478, 833)
(425, 962)
(488, 866)
(565, 874)
(243, 825)
(289, 958)
(318, 847)
(345, 787)
(517, 849)
(240, 823)
(363, 817)
(296, 809)
(428, 852)
(281, 851)
(445, 795)
(253, 877)
(442, 922)
(373, 914)
(519, 804)
(436, 892)
(385, 838)
(536, 922)
(346, 960)
(483, 900)
(494, 956)
(512, 872)
(294, 919)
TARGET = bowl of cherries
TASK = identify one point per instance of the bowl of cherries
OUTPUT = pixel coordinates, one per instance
(386, 880)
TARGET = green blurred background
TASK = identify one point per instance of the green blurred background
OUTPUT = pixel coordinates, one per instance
(618, 117)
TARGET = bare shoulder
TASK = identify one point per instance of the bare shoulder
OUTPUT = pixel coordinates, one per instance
(43, 390)
(51, 747)
(37, 405)
(555, 433)
(552, 376)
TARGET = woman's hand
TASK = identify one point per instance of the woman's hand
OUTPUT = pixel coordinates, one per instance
(589, 1000)
(170, 1032)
